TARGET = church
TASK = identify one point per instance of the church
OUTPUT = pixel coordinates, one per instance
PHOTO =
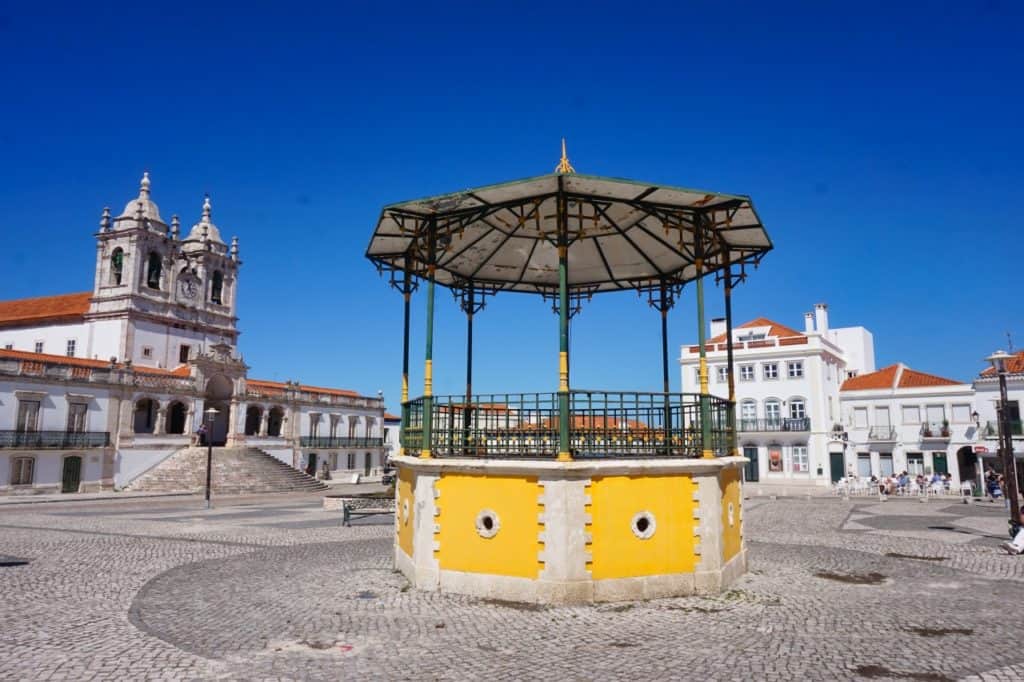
(107, 389)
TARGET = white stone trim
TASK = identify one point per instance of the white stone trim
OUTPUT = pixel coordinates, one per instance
(481, 523)
(651, 525)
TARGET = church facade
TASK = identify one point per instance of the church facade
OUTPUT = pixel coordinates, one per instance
(98, 387)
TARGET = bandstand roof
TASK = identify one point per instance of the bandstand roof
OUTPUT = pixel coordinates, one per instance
(621, 234)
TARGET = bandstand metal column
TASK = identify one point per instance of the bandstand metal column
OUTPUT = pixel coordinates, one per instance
(564, 454)
(428, 362)
(705, 403)
(727, 262)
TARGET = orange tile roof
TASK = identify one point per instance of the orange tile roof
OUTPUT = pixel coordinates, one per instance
(65, 307)
(887, 378)
(1015, 365)
(391, 417)
(47, 358)
(775, 329)
(277, 385)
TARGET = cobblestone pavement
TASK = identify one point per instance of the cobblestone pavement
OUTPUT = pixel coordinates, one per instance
(275, 588)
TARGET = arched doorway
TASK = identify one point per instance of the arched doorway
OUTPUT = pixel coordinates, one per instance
(218, 396)
(274, 421)
(144, 419)
(176, 418)
(253, 415)
(967, 464)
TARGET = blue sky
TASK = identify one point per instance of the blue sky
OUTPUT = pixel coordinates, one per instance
(880, 144)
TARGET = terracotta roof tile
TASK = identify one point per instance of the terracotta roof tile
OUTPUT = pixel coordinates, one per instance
(1015, 365)
(65, 307)
(887, 377)
(775, 329)
(277, 385)
(391, 417)
(49, 359)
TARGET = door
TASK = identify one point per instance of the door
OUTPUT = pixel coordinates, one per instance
(939, 464)
(835, 464)
(311, 464)
(366, 464)
(72, 476)
(751, 471)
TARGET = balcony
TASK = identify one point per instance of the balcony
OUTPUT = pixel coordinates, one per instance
(935, 431)
(991, 429)
(329, 442)
(882, 434)
(54, 440)
(600, 425)
(774, 425)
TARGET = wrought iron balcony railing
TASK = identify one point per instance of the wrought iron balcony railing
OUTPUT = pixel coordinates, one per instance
(935, 431)
(329, 442)
(774, 425)
(991, 429)
(54, 440)
(882, 433)
(601, 425)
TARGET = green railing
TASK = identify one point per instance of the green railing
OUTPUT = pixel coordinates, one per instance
(339, 442)
(602, 424)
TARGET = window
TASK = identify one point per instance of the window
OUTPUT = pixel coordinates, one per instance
(39, 346)
(154, 269)
(772, 411)
(795, 369)
(9, 346)
(217, 287)
(352, 421)
(915, 463)
(22, 470)
(696, 376)
(797, 409)
(335, 418)
(800, 463)
(314, 425)
(351, 461)
(860, 417)
(961, 414)
(864, 464)
(850, 373)
(751, 336)
(885, 464)
(911, 414)
(183, 352)
(774, 458)
(882, 417)
(76, 417)
(936, 414)
(116, 266)
(147, 351)
(28, 416)
(771, 370)
(723, 374)
(71, 348)
(748, 412)
(746, 372)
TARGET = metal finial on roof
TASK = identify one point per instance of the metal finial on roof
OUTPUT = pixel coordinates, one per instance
(206, 209)
(563, 165)
(144, 184)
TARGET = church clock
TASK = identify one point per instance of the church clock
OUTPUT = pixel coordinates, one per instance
(188, 288)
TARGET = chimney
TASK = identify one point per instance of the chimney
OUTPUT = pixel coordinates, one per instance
(808, 323)
(821, 317)
(717, 326)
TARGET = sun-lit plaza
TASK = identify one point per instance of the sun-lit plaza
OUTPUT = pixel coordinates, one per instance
(273, 587)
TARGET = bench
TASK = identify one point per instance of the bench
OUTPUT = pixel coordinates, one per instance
(360, 507)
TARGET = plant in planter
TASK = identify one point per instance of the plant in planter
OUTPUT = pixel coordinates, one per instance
(945, 428)
(926, 431)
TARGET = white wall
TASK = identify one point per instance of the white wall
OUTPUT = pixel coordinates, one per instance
(858, 347)
(54, 337)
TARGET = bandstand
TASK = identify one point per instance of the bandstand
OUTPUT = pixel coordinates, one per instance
(573, 495)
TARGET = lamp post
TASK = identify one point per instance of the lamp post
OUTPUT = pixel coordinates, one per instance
(998, 360)
(210, 415)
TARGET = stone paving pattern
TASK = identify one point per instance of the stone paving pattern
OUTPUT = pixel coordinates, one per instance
(274, 588)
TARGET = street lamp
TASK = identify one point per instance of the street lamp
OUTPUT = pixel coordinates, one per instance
(210, 415)
(998, 360)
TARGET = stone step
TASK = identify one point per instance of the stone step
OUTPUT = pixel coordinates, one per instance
(234, 471)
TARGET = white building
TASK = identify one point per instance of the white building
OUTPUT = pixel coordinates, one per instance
(986, 388)
(100, 386)
(898, 419)
(787, 391)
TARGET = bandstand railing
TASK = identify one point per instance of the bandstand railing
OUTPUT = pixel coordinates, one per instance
(602, 424)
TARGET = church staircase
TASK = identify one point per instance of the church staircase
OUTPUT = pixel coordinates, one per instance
(236, 471)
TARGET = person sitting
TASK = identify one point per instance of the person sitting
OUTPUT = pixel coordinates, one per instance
(995, 491)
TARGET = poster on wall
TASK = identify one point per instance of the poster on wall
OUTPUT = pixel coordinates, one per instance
(774, 459)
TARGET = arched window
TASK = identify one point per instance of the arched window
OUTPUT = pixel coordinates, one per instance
(253, 415)
(217, 287)
(153, 271)
(274, 420)
(145, 416)
(176, 418)
(116, 266)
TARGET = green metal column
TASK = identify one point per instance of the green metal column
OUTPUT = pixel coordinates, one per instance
(428, 363)
(663, 308)
(407, 296)
(705, 401)
(731, 425)
(468, 408)
(564, 454)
